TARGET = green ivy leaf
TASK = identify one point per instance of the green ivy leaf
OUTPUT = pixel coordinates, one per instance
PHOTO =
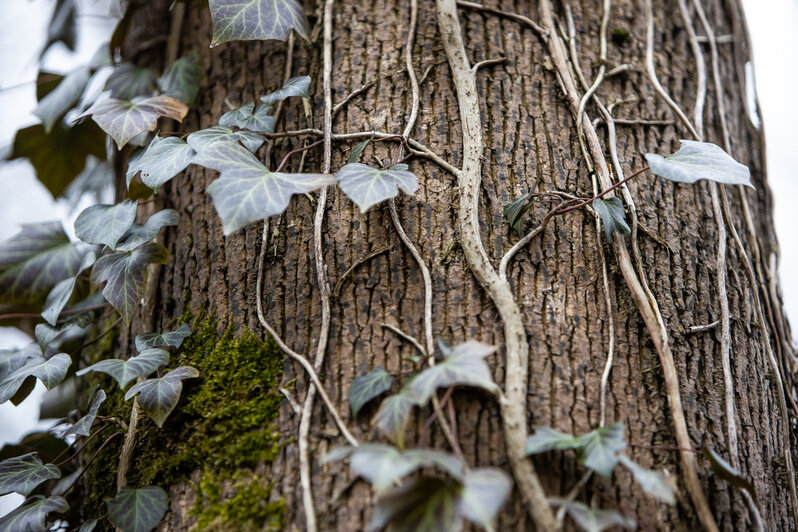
(700, 160)
(139, 234)
(248, 117)
(129, 81)
(182, 79)
(50, 371)
(54, 106)
(419, 505)
(369, 186)
(655, 483)
(247, 192)
(83, 426)
(241, 20)
(59, 296)
(168, 339)
(160, 161)
(105, 224)
(123, 120)
(724, 470)
(125, 275)
(88, 526)
(202, 138)
(464, 365)
(354, 155)
(13, 359)
(547, 439)
(32, 515)
(138, 510)
(484, 493)
(22, 474)
(366, 387)
(293, 87)
(392, 416)
(612, 216)
(124, 371)
(515, 210)
(592, 519)
(598, 449)
(158, 397)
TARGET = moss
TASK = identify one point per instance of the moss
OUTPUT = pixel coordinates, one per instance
(247, 509)
(620, 36)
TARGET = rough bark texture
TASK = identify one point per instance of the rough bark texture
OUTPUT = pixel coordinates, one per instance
(531, 145)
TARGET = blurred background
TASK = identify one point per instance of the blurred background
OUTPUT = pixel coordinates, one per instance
(23, 37)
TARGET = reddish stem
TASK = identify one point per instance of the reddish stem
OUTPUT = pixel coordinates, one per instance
(600, 194)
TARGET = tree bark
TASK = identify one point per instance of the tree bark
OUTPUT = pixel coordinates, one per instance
(531, 143)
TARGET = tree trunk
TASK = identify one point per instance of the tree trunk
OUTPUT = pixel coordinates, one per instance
(230, 452)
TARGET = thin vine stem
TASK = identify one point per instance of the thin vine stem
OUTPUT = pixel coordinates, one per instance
(603, 193)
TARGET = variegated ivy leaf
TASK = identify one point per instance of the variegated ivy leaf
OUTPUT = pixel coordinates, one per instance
(22, 474)
(293, 87)
(547, 439)
(50, 371)
(138, 510)
(593, 519)
(168, 339)
(484, 493)
(247, 192)
(138, 234)
(105, 224)
(61, 293)
(32, 515)
(598, 449)
(419, 505)
(124, 371)
(49, 338)
(123, 120)
(366, 387)
(125, 275)
(158, 397)
(83, 426)
(160, 161)
(182, 79)
(369, 186)
(700, 160)
(251, 118)
(129, 81)
(63, 98)
(13, 359)
(241, 20)
(34, 260)
(202, 138)
(464, 365)
(612, 216)
(655, 483)
(392, 416)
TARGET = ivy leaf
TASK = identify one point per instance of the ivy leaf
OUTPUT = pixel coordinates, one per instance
(293, 87)
(160, 161)
(124, 371)
(354, 155)
(655, 483)
(138, 510)
(50, 371)
(392, 416)
(22, 474)
(88, 526)
(515, 210)
(369, 186)
(598, 448)
(248, 117)
(125, 275)
(32, 515)
(200, 139)
(724, 470)
(484, 493)
(129, 81)
(83, 426)
(419, 505)
(62, 25)
(138, 234)
(168, 339)
(366, 387)
(463, 366)
(592, 519)
(241, 20)
(62, 291)
(59, 156)
(612, 216)
(700, 160)
(105, 224)
(246, 191)
(63, 98)
(13, 359)
(123, 120)
(547, 439)
(182, 79)
(158, 397)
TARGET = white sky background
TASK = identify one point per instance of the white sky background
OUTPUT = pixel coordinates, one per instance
(23, 200)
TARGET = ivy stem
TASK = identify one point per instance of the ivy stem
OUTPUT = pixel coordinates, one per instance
(59, 455)
(64, 313)
(298, 150)
(88, 440)
(91, 460)
(600, 194)
(665, 448)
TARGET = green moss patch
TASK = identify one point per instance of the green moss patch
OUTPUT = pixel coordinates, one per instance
(248, 508)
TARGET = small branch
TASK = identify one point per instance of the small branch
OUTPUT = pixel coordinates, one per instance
(358, 263)
(91, 460)
(297, 150)
(514, 16)
(603, 193)
(486, 62)
(400, 333)
(523, 242)
(291, 401)
(702, 328)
